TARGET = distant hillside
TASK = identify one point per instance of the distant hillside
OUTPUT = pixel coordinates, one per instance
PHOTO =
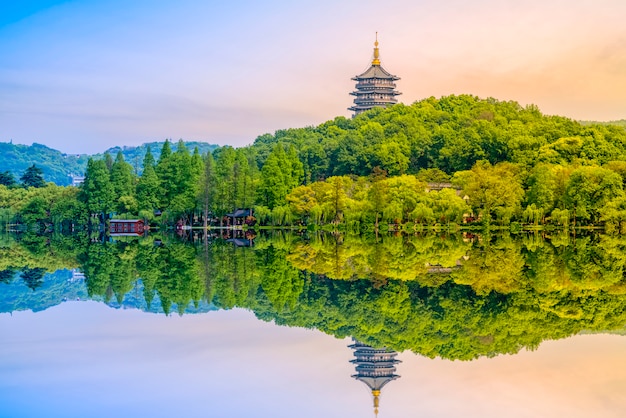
(57, 166)
(621, 122)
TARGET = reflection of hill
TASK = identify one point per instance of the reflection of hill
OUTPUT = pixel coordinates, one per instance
(55, 288)
(59, 287)
(503, 295)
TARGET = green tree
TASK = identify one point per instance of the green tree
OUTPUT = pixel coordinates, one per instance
(33, 277)
(123, 182)
(33, 177)
(495, 192)
(7, 179)
(148, 186)
(207, 188)
(97, 190)
(589, 189)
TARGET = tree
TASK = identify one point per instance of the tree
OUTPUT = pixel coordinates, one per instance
(7, 179)
(33, 277)
(273, 189)
(97, 190)
(589, 189)
(495, 192)
(542, 186)
(165, 173)
(301, 201)
(35, 211)
(148, 186)
(206, 191)
(123, 182)
(184, 181)
(33, 177)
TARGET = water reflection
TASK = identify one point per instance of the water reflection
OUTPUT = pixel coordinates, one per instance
(375, 367)
(456, 297)
(450, 296)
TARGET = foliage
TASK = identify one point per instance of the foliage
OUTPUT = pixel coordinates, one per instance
(33, 177)
(451, 296)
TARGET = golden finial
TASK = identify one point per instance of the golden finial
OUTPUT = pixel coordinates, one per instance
(376, 60)
(376, 394)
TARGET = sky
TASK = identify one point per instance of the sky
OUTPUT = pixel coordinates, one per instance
(82, 76)
(82, 358)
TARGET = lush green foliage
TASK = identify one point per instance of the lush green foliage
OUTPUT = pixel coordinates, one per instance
(453, 296)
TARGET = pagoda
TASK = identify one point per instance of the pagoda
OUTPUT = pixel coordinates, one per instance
(375, 367)
(375, 87)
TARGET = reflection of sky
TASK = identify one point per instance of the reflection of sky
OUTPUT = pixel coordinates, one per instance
(84, 359)
(84, 75)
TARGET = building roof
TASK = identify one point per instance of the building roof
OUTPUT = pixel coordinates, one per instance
(240, 213)
(125, 220)
(376, 71)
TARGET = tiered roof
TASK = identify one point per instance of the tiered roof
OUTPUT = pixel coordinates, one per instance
(375, 87)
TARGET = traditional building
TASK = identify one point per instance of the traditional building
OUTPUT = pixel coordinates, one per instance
(375, 87)
(375, 367)
(120, 227)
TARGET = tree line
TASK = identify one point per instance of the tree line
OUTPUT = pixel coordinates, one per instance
(501, 163)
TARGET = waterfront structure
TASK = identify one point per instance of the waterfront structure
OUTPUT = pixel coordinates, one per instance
(375, 367)
(376, 87)
(120, 227)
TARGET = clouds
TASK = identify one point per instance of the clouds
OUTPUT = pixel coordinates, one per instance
(225, 73)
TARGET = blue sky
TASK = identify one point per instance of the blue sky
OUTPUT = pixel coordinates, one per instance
(81, 76)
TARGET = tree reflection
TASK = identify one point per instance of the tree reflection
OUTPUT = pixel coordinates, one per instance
(456, 297)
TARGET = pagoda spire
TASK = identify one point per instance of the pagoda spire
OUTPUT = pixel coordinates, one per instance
(375, 367)
(376, 60)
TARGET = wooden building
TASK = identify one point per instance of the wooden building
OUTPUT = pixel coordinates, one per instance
(375, 87)
(127, 227)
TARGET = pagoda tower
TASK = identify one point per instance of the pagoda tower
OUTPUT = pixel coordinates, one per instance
(375, 87)
(375, 367)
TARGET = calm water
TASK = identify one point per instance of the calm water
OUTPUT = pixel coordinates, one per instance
(513, 307)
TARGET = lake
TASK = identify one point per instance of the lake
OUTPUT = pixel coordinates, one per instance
(488, 326)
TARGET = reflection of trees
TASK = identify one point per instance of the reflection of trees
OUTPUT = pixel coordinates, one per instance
(7, 275)
(33, 278)
(505, 295)
(169, 271)
(487, 296)
(508, 294)
(402, 257)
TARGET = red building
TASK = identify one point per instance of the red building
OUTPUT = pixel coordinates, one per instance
(127, 227)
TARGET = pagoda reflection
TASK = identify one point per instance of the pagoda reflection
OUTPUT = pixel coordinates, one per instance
(375, 367)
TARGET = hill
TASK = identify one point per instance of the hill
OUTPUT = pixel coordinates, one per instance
(57, 166)
(621, 122)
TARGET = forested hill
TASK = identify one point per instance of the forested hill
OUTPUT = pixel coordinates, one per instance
(57, 166)
(451, 133)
